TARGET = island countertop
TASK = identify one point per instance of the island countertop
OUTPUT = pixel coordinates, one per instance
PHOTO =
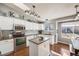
(38, 41)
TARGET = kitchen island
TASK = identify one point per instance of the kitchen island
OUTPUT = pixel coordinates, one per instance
(39, 46)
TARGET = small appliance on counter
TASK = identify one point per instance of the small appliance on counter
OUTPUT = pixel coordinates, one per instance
(5, 34)
(40, 31)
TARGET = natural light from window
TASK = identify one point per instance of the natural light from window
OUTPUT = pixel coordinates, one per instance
(70, 30)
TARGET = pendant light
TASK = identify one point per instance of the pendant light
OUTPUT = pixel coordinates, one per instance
(77, 12)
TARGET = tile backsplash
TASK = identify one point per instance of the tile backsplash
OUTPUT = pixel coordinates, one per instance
(31, 32)
(5, 34)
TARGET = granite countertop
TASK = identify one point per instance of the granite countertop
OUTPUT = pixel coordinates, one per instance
(30, 34)
(36, 34)
(38, 41)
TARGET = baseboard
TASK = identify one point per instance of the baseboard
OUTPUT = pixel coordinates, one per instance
(53, 43)
(63, 42)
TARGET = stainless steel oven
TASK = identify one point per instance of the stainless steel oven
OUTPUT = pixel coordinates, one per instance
(19, 43)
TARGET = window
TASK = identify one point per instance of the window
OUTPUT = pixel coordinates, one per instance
(76, 31)
(70, 30)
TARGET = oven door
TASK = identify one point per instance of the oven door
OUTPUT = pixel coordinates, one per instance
(20, 42)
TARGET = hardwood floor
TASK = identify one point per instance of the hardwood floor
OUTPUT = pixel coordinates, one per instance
(60, 48)
(21, 52)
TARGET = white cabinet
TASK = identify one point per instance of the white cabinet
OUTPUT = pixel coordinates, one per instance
(42, 49)
(6, 23)
(29, 38)
(28, 25)
(40, 27)
(6, 46)
(52, 40)
(18, 21)
(35, 26)
(31, 26)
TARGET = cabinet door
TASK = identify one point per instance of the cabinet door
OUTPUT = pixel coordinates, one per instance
(52, 40)
(28, 25)
(35, 26)
(40, 27)
(6, 46)
(6, 23)
(10, 45)
(43, 49)
(18, 21)
(27, 40)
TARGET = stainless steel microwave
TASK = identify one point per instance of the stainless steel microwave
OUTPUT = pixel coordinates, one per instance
(19, 27)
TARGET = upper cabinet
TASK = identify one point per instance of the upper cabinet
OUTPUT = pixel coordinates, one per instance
(40, 26)
(18, 21)
(6, 23)
(31, 26)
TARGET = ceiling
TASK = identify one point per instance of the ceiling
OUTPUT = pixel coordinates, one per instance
(53, 10)
(50, 10)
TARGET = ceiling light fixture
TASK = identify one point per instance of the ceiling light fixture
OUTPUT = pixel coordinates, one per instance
(77, 12)
(32, 12)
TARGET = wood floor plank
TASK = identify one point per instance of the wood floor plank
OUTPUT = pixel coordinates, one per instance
(60, 48)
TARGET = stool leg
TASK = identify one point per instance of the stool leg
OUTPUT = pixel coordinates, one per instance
(76, 52)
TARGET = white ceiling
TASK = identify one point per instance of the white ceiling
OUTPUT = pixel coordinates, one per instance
(50, 10)
(53, 10)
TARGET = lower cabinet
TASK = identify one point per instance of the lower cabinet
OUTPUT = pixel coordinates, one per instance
(29, 38)
(6, 46)
(42, 49)
(52, 40)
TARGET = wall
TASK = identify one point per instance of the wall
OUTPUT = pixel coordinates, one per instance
(53, 24)
(60, 39)
(6, 9)
(62, 20)
(57, 26)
